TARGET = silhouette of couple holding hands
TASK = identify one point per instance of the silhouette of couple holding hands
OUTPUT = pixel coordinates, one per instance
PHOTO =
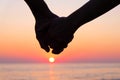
(57, 32)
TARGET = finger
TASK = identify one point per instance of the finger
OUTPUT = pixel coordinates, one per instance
(57, 44)
(57, 47)
(44, 46)
(57, 51)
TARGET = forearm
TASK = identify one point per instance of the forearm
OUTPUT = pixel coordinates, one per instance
(39, 9)
(90, 11)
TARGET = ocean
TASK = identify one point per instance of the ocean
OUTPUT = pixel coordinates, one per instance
(61, 71)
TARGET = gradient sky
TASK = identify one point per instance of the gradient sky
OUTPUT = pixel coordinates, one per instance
(98, 40)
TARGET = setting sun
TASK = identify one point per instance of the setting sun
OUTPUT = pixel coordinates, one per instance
(51, 59)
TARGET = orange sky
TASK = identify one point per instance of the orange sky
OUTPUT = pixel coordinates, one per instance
(98, 40)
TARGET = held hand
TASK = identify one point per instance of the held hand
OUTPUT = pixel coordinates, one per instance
(41, 30)
(53, 33)
(60, 34)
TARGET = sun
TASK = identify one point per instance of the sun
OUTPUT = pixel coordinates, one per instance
(51, 60)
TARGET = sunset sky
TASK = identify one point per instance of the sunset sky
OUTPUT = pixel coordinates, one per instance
(96, 41)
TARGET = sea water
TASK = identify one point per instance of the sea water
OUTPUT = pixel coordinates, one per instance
(62, 71)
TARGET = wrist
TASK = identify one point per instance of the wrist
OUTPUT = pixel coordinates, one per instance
(72, 25)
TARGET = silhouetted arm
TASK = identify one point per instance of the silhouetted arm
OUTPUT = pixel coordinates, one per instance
(90, 11)
(43, 17)
(39, 9)
(62, 31)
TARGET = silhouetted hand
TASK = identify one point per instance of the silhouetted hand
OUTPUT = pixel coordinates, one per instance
(41, 29)
(60, 34)
(53, 33)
